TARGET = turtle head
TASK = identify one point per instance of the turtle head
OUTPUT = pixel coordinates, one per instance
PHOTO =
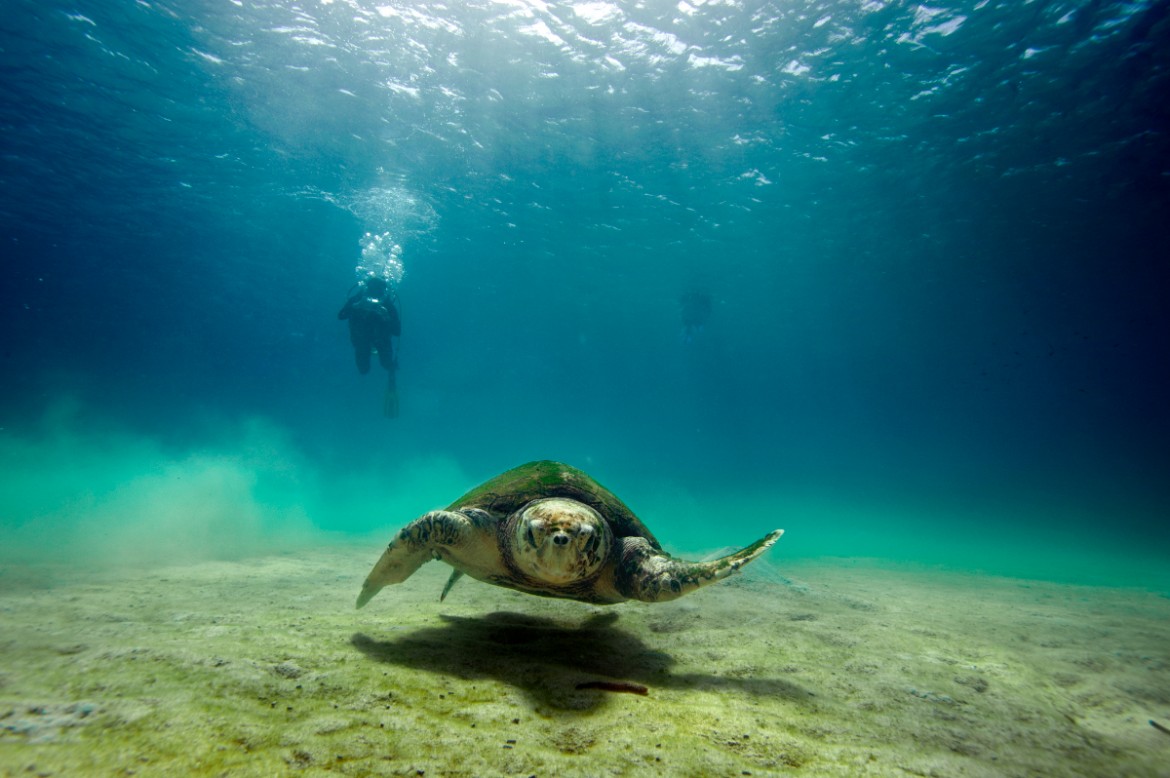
(559, 541)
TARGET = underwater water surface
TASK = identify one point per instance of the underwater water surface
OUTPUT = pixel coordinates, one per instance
(891, 276)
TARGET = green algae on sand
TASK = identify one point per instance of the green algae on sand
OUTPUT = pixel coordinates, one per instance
(261, 667)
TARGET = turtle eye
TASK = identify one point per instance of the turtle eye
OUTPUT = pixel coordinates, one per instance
(530, 537)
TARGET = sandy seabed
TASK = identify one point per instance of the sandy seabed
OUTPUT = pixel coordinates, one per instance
(835, 667)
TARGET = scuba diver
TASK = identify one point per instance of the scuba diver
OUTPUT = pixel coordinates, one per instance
(373, 321)
(695, 308)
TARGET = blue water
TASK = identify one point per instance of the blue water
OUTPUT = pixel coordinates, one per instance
(933, 237)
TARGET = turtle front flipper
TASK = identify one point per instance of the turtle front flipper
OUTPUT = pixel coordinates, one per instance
(418, 542)
(652, 576)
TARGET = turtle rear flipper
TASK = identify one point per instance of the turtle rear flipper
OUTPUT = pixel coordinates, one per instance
(418, 542)
(651, 576)
(455, 576)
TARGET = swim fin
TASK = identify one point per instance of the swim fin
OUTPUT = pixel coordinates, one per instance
(390, 404)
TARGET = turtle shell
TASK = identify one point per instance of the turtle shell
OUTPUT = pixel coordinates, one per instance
(507, 492)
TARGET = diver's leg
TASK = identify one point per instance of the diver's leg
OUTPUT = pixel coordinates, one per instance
(386, 353)
(362, 358)
(362, 343)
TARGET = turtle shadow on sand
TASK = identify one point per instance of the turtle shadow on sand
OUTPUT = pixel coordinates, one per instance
(546, 659)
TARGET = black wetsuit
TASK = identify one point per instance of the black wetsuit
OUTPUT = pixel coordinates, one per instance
(372, 322)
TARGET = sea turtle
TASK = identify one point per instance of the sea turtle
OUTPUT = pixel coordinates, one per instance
(549, 529)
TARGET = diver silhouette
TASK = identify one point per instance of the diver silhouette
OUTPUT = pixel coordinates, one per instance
(695, 308)
(373, 323)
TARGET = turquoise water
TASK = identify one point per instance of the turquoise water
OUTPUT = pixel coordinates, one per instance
(932, 237)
